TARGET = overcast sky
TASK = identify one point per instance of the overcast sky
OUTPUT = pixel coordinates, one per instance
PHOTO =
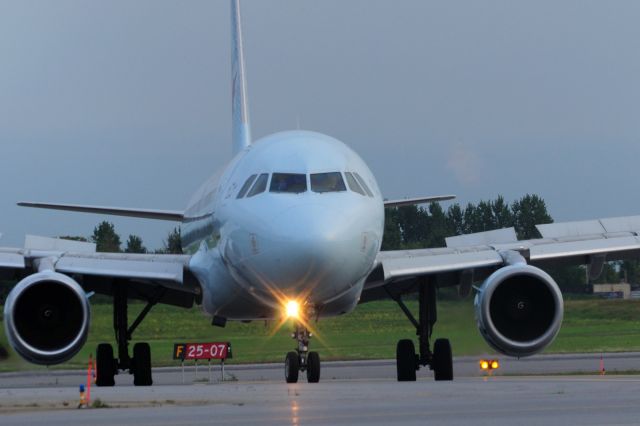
(126, 103)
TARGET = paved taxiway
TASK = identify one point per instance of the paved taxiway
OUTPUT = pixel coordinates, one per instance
(348, 370)
(350, 393)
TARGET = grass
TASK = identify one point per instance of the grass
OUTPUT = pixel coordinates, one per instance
(98, 403)
(370, 332)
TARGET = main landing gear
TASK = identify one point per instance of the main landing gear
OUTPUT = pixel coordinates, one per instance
(140, 364)
(439, 360)
(301, 359)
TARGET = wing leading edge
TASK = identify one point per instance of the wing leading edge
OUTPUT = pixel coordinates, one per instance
(417, 200)
(170, 215)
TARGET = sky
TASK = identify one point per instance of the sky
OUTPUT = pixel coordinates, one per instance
(127, 103)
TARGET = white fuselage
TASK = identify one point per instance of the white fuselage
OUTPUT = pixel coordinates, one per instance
(301, 229)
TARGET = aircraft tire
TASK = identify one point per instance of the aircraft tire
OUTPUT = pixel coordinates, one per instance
(442, 360)
(291, 367)
(105, 365)
(142, 365)
(313, 367)
(406, 361)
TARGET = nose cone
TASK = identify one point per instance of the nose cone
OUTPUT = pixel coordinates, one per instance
(317, 251)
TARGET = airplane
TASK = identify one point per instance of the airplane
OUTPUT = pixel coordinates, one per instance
(293, 225)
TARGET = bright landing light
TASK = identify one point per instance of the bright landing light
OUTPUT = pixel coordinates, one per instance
(292, 309)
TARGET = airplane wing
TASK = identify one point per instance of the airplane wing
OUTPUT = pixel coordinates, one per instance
(47, 313)
(418, 200)
(171, 215)
(144, 274)
(472, 258)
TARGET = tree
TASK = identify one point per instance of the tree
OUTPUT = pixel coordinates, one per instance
(528, 212)
(173, 244)
(471, 220)
(455, 220)
(105, 237)
(392, 238)
(502, 214)
(413, 222)
(570, 279)
(611, 273)
(631, 271)
(438, 227)
(134, 245)
(486, 220)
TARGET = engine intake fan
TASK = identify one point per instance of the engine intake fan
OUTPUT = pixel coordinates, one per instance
(46, 318)
(519, 310)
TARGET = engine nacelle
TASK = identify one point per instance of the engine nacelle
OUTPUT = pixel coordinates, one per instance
(46, 318)
(519, 310)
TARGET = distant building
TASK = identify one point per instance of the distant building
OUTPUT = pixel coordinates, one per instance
(613, 291)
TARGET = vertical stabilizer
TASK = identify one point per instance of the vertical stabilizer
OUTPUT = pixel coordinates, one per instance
(240, 109)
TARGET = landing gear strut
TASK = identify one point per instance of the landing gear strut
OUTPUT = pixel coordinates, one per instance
(140, 364)
(439, 360)
(301, 359)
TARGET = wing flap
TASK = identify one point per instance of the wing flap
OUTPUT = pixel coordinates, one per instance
(567, 251)
(411, 263)
(609, 225)
(35, 242)
(122, 265)
(120, 268)
(498, 236)
(11, 259)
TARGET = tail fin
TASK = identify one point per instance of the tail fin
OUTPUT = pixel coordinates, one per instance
(240, 109)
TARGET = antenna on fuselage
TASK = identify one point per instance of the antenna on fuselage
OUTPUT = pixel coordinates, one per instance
(240, 110)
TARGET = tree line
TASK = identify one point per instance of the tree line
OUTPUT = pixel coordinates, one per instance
(418, 227)
(107, 240)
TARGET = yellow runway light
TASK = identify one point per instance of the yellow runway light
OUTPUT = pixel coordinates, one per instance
(489, 364)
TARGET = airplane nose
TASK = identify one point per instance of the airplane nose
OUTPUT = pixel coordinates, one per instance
(318, 243)
(310, 249)
(312, 227)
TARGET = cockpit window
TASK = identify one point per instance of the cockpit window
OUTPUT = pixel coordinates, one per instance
(246, 186)
(260, 185)
(353, 184)
(364, 184)
(327, 182)
(288, 182)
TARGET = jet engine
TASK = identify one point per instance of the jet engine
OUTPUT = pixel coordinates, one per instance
(46, 318)
(519, 310)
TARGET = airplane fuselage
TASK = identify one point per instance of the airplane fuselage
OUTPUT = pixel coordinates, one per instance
(295, 216)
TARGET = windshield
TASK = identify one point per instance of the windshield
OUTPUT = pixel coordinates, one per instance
(260, 185)
(364, 184)
(246, 186)
(288, 182)
(327, 182)
(353, 184)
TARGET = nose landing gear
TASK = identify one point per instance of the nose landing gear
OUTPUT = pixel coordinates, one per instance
(301, 359)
